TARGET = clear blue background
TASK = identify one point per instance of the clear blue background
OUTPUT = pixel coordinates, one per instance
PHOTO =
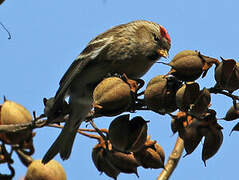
(48, 35)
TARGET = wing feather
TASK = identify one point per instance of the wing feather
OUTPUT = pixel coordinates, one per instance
(89, 54)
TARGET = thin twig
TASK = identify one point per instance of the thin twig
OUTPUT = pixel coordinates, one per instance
(104, 130)
(98, 130)
(79, 131)
(9, 34)
(101, 134)
(173, 160)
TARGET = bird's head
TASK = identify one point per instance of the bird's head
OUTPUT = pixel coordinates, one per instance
(154, 39)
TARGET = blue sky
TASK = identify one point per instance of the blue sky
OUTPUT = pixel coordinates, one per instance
(48, 35)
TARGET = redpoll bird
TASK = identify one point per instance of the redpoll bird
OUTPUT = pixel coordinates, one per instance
(129, 48)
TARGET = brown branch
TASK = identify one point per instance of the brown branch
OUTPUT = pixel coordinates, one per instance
(216, 90)
(173, 160)
(39, 122)
(79, 131)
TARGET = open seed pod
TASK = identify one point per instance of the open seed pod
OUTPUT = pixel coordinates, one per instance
(112, 162)
(190, 135)
(213, 135)
(112, 96)
(187, 95)
(151, 156)
(212, 142)
(102, 164)
(13, 113)
(125, 163)
(50, 171)
(200, 106)
(232, 113)
(126, 135)
(188, 65)
(227, 75)
(160, 94)
(175, 125)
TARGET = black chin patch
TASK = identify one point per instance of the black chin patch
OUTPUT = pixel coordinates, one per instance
(153, 56)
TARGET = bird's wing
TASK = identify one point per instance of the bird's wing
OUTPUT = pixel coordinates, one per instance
(89, 54)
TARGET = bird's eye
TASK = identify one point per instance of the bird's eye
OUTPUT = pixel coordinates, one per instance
(156, 37)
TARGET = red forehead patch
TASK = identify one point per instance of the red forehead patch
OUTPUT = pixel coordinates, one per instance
(165, 34)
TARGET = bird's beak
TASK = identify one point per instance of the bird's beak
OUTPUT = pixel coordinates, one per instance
(163, 53)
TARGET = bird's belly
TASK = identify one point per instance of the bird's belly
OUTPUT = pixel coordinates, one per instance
(95, 73)
(134, 68)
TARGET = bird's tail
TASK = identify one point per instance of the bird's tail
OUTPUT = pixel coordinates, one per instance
(63, 144)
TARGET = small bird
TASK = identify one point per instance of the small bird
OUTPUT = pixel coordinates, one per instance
(130, 48)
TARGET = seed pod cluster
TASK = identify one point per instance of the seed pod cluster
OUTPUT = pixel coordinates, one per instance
(113, 96)
(192, 130)
(128, 135)
(151, 155)
(189, 65)
(160, 92)
(189, 98)
(113, 162)
(227, 75)
(14, 113)
(50, 171)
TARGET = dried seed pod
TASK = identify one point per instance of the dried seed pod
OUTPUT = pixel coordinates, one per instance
(187, 95)
(151, 156)
(13, 113)
(50, 171)
(227, 75)
(232, 113)
(126, 135)
(212, 142)
(160, 94)
(200, 106)
(191, 136)
(178, 120)
(119, 132)
(102, 164)
(189, 65)
(176, 124)
(125, 163)
(112, 96)
(138, 134)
